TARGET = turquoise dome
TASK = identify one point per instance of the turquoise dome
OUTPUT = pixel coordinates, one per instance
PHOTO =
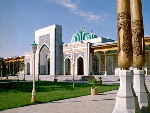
(79, 36)
(90, 36)
(82, 35)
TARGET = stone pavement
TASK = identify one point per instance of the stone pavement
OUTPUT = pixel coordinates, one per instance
(102, 103)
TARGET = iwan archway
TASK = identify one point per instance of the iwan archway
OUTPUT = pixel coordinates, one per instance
(44, 60)
(67, 67)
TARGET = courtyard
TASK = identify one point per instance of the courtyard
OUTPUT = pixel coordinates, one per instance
(16, 93)
(80, 101)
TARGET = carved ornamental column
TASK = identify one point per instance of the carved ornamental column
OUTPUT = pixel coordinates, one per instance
(124, 34)
(139, 54)
(137, 34)
(126, 101)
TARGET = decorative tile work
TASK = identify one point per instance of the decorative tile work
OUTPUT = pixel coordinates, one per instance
(79, 54)
(45, 39)
(67, 55)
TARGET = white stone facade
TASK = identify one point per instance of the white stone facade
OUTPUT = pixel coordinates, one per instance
(55, 58)
(48, 54)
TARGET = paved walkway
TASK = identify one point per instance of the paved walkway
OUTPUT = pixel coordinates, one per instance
(102, 103)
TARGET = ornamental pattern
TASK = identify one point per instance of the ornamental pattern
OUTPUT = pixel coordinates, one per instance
(125, 26)
(79, 54)
(45, 39)
(67, 55)
(138, 35)
(137, 23)
(123, 15)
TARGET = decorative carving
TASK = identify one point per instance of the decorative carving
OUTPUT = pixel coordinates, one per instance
(137, 23)
(124, 40)
(123, 15)
(136, 34)
(126, 45)
(138, 43)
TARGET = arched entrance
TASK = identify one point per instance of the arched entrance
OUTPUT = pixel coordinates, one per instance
(110, 65)
(96, 65)
(28, 68)
(43, 60)
(67, 67)
(48, 67)
(80, 66)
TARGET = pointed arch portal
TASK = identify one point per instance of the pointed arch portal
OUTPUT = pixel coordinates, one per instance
(44, 61)
(28, 68)
(80, 66)
(96, 65)
(67, 67)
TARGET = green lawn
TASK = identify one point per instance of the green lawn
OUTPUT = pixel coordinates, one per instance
(16, 94)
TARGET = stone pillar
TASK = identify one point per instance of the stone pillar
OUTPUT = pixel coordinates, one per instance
(1, 72)
(141, 90)
(105, 74)
(13, 67)
(64, 67)
(9, 69)
(139, 54)
(126, 101)
(88, 59)
(92, 63)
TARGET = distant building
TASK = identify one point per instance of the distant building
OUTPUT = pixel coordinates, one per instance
(86, 54)
(1, 66)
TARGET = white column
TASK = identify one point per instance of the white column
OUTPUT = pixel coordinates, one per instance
(126, 101)
(1, 71)
(141, 90)
(105, 74)
(64, 68)
(88, 59)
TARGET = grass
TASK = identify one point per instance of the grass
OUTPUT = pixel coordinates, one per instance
(17, 94)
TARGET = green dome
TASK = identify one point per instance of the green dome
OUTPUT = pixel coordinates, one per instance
(90, 36)
(79, 36)
(82, 35)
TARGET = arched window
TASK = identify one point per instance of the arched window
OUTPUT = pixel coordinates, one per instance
(80, 66)
(67, 66)
(28, 68)
(48, 66)
(96, 65)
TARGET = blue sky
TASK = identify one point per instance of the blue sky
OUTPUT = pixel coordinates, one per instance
(20, 18)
